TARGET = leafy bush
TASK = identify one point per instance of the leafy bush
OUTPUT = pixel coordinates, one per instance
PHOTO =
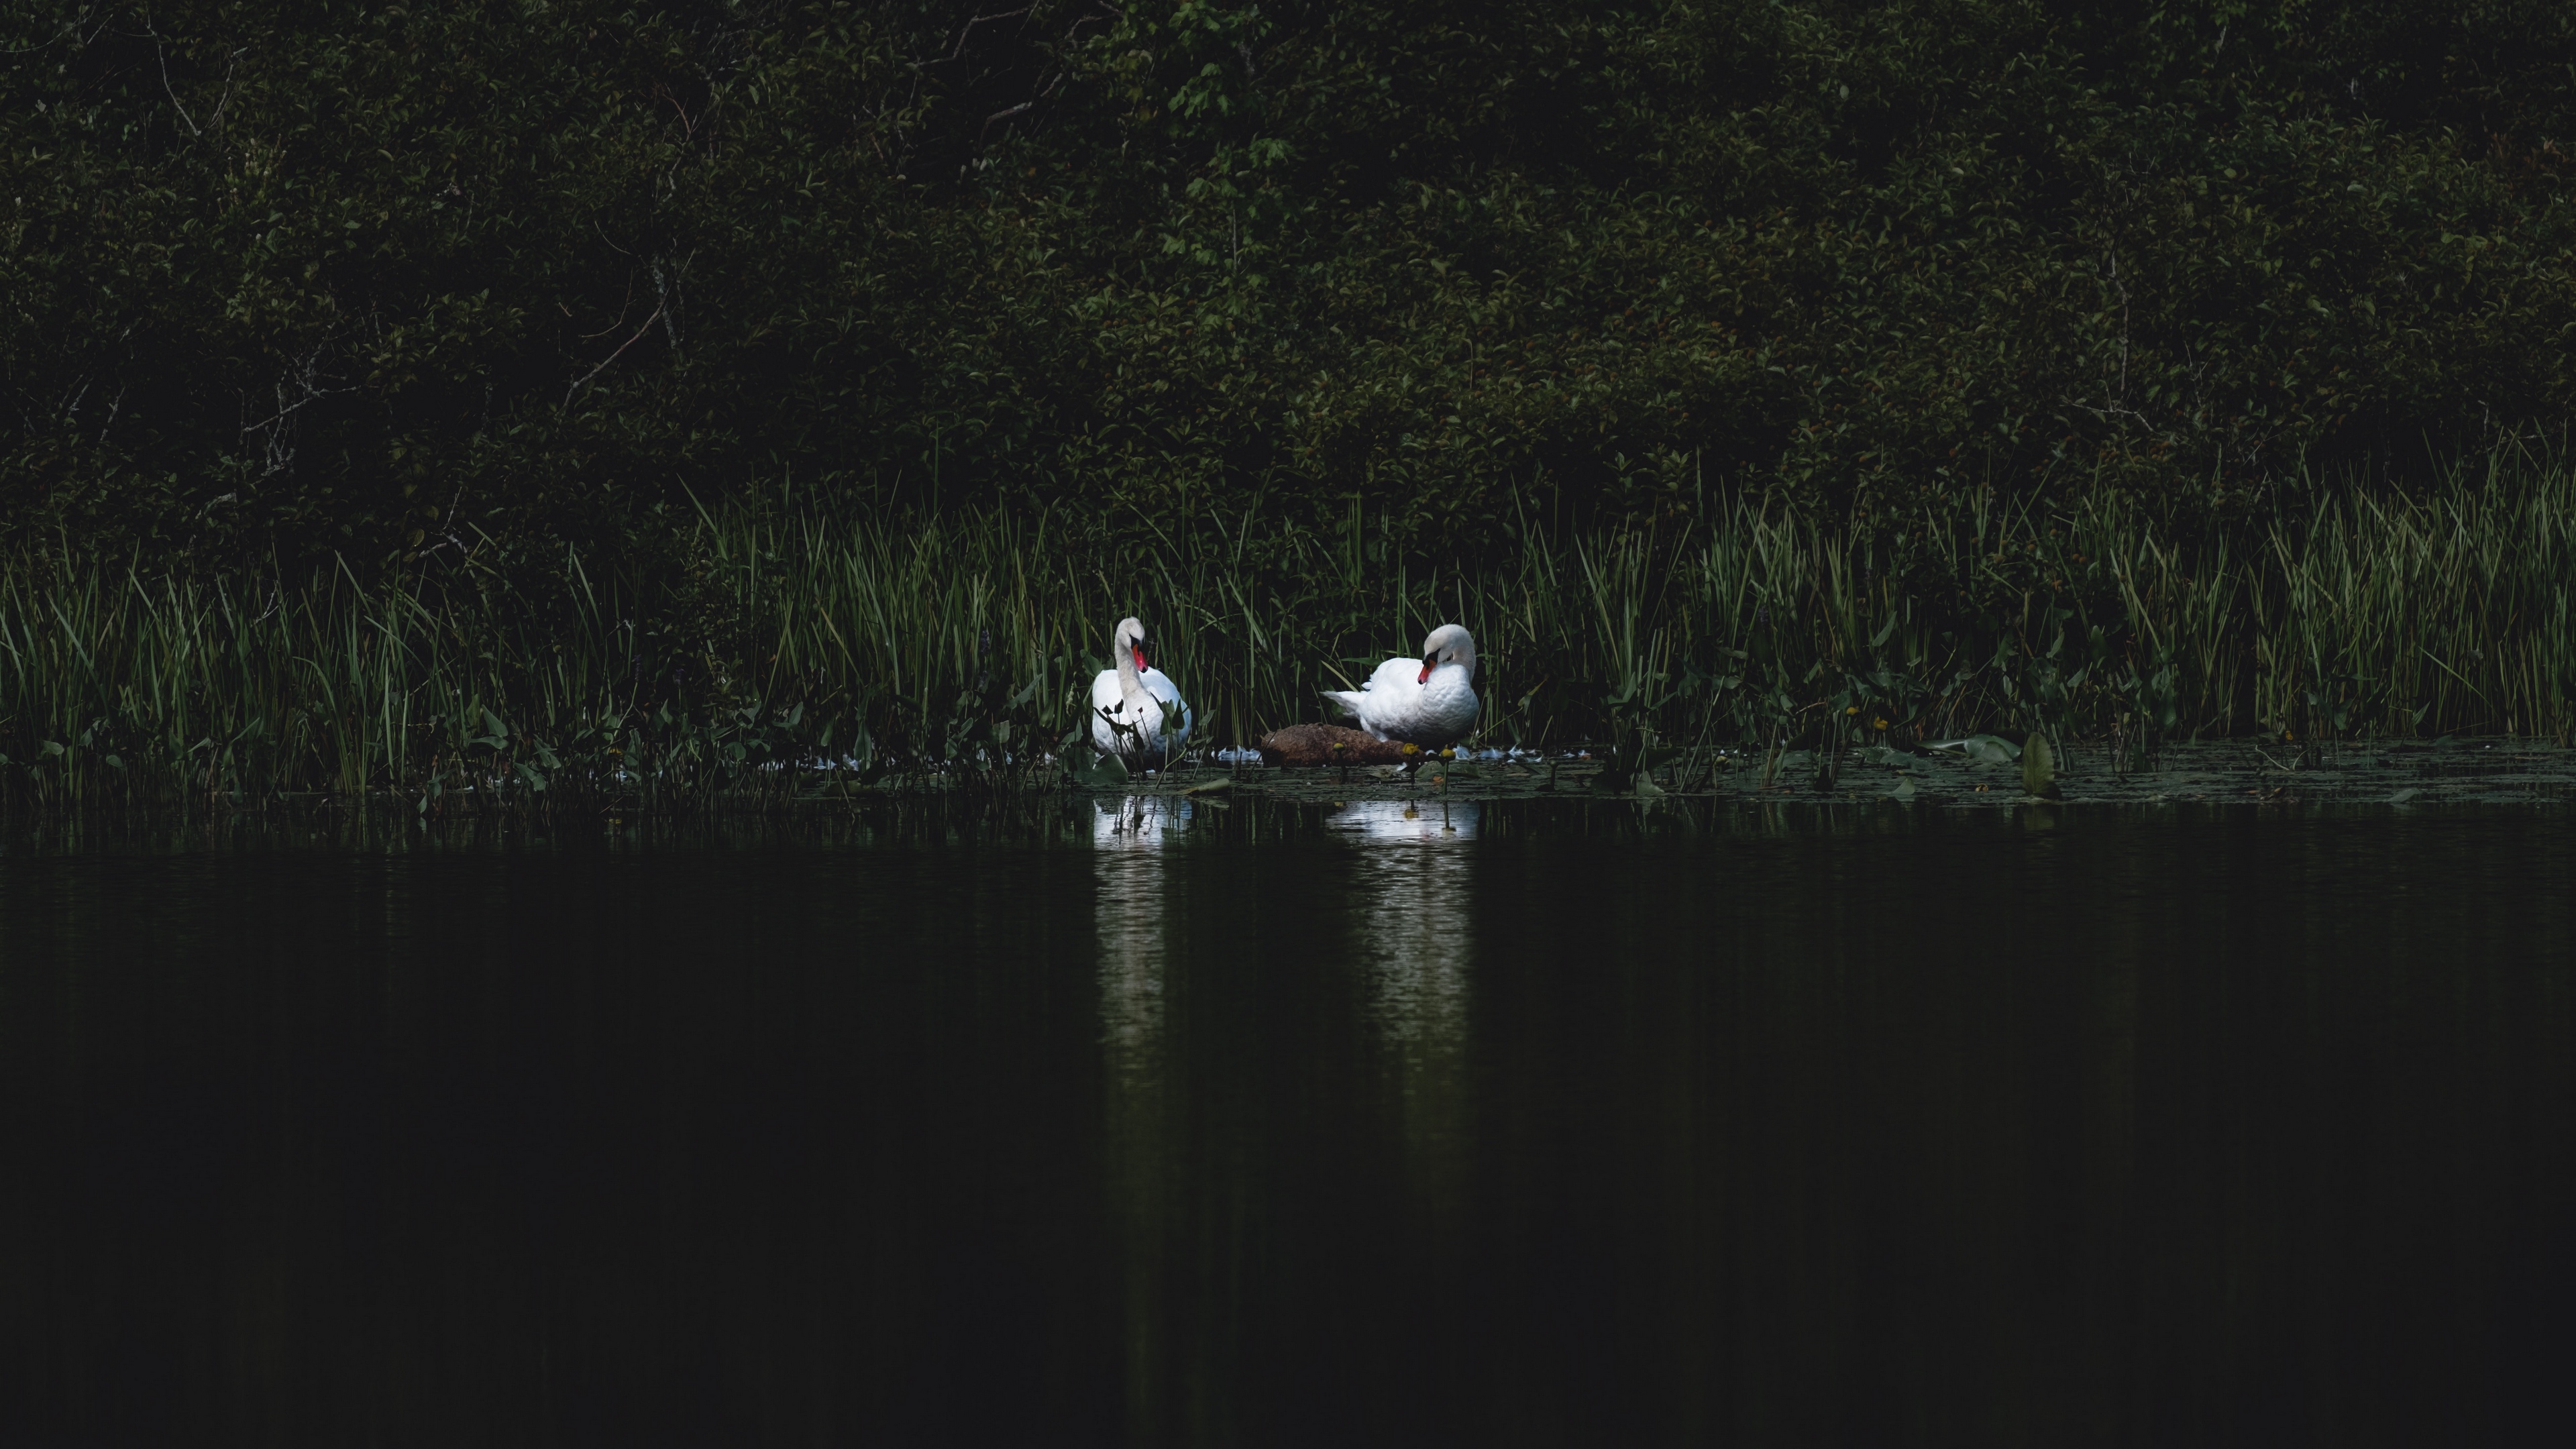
(404, 285)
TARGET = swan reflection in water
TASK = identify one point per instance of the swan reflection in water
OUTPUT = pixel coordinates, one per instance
(1402, 947)
(1127, 838)
(1414, 948)
(1415, 913)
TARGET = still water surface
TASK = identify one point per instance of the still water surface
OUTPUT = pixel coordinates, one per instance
(1286, 1126)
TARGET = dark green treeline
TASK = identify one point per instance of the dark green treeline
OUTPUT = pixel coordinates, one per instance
(388, 283)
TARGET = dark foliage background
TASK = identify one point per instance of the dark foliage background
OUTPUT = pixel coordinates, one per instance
(388, 281)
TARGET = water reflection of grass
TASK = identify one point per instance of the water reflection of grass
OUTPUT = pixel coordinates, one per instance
(955, 651)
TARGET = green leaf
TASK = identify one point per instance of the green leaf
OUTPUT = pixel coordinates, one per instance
(2038, 769)
(1109, 773)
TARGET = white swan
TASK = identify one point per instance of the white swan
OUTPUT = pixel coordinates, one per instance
(1429, 702)
(1137, 713)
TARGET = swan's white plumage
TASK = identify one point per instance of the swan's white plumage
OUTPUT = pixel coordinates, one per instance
(1137, 712)
(1428, 701)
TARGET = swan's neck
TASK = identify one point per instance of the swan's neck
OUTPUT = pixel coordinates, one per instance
(1133, 697)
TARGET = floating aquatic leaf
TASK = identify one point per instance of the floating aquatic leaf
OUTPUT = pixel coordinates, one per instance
(1902, 790)
(2402, 796)
(1980, 749)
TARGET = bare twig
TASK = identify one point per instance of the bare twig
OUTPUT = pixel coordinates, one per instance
(621, 311)
(998, 116)
(575, 390)
(164, 58)
(969, 28)
(304, 378)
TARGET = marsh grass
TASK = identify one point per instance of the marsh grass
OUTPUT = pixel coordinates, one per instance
(957, 653)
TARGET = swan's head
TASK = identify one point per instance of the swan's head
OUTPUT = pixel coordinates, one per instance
(1447, 644)
(1131, 643)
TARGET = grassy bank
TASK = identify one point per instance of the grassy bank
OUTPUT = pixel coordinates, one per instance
(959, 650)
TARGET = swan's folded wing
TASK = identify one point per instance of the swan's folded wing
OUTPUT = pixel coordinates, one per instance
(1104, 690)
(1396, 675)
(1104, 696)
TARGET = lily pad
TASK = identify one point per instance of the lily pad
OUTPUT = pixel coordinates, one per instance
(1980, 749)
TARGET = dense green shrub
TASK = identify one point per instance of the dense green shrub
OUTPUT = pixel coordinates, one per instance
(403, 283)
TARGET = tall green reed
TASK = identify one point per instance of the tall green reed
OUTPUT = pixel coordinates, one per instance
(960, 650)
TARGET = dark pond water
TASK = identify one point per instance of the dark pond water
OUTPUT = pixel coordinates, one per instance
(1282, 1126)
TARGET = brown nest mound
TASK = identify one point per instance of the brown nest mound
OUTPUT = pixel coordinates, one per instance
(1323, 744)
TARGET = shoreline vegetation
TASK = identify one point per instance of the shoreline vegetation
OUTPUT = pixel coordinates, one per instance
(695, 402)
(943, 653)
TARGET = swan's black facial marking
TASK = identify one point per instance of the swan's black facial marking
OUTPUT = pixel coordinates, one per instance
(1428, 660)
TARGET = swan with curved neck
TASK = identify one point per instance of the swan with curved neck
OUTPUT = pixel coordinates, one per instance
(1137, 712)
(1432, 705)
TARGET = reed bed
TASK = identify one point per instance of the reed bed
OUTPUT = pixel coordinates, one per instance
(790, 652)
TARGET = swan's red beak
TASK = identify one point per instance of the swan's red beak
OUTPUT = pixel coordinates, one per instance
(1425, 676)
(1139, 652)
